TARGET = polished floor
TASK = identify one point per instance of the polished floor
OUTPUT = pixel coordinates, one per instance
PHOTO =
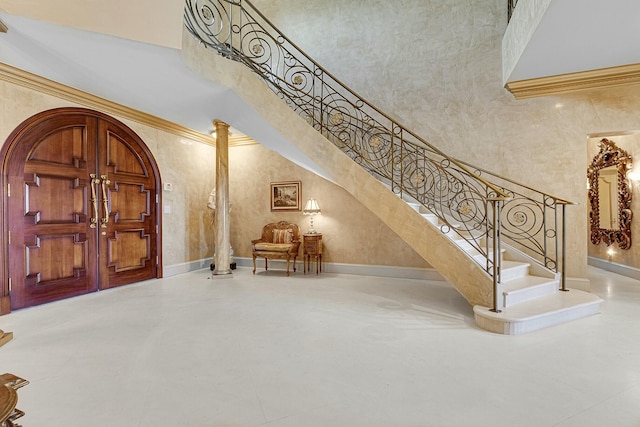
(331, 350)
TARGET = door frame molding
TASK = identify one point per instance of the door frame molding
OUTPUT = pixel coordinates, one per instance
(9, 148)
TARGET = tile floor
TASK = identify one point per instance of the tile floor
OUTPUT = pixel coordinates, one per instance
(331, 350)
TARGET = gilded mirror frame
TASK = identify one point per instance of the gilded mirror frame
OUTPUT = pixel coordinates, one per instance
(611, 155)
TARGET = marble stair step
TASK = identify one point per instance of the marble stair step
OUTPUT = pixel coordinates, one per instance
(415, 206)
(432, 218)
(549, 310)
(513, 270)
(480, 257)
(526, 288)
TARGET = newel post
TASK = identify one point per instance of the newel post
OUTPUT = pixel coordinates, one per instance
(496, 205)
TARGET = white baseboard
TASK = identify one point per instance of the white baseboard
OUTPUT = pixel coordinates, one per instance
(579, 283)
(382, 270)
(614, 267)
(185, 267)
(356, 269)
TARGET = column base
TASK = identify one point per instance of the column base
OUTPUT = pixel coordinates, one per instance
(232, 266)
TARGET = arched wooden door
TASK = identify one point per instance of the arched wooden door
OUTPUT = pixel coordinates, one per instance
(81, 207)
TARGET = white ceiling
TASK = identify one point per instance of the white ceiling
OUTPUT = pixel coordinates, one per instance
(142, 76)
(581, 35)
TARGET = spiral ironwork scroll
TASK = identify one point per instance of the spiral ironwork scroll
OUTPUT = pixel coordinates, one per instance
(456, 192)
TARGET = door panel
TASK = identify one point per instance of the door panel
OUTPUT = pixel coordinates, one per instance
(129, 239)
(69, 233)
(55, 251)
(66, 146)
(69, 251)
(39, 208)
(129, 250)
(120, 155)
(130, 202)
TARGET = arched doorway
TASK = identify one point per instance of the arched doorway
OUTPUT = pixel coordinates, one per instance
(80, 212)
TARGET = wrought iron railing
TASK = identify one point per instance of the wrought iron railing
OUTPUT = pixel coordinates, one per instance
(466, 203)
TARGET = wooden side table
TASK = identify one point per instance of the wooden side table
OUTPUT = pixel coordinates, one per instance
(312, 248)
(9, 383)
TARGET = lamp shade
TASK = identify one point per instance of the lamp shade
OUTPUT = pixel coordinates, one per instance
(311, 208)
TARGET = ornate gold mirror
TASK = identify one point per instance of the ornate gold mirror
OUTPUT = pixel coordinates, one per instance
(609, 196)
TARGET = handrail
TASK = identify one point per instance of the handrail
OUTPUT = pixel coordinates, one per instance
(454, 190)
(478, 170)
(229, 50)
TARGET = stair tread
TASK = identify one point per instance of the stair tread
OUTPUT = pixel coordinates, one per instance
(524, 282)
(506, 264)
(473, 252)
(545, 305)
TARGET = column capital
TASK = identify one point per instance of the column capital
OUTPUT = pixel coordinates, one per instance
(219, 123)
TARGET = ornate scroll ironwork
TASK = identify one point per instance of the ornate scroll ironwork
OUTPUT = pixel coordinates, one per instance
(610, 155)
(458, 193)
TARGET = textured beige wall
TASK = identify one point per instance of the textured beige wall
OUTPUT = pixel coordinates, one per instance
(188, 165)
(351, 234)
(630, 142)
(436, 66)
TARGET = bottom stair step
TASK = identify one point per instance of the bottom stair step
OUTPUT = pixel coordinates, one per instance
(528, 288)
(542, 312)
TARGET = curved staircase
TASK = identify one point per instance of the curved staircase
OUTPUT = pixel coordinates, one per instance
(472, 226)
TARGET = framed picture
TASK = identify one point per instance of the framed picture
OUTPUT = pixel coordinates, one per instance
(285, 196)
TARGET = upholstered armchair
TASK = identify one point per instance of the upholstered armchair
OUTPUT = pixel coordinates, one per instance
(280, 240)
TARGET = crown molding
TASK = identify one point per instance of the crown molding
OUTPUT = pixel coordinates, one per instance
(40, 84)
(572, 82)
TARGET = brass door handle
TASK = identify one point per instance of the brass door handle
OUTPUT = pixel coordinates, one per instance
(94, 200)
(105, 201)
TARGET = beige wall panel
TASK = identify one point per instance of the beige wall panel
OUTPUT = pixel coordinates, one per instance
(350, 232)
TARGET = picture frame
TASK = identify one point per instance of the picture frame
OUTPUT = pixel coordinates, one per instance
(286, 196)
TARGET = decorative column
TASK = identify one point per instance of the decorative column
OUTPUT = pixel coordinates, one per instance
(223, 242)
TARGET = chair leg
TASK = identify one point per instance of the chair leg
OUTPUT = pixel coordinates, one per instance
(254, 264)
(266, 264)
(287, 266)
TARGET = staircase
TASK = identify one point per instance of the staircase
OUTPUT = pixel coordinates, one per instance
(531, 298)
(496, 241)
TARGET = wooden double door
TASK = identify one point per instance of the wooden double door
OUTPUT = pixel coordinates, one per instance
(81, 208)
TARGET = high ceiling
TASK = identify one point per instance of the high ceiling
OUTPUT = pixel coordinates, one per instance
(579, 35)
